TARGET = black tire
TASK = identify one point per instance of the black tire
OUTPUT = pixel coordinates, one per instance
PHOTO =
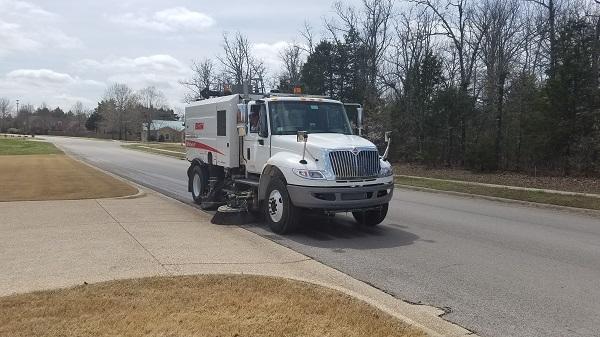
(199, 187)
(279, 212)
(371, 218)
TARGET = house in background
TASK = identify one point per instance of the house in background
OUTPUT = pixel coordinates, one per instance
(163, 131)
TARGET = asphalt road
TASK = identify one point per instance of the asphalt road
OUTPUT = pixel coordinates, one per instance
(498, 269)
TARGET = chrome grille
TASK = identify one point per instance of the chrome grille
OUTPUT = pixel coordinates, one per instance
(347, 165)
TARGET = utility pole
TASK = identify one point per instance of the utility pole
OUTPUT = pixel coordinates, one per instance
(17, 108)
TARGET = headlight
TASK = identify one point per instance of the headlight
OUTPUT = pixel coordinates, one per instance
(309, 174)
(386, 171)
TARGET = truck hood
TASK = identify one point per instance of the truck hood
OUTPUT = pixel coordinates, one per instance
(319, 141)
(287, 152)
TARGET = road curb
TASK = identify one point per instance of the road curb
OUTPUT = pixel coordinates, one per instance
(590, 212)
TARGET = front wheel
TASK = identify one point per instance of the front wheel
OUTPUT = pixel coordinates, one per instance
(371, 218)
(280, 213)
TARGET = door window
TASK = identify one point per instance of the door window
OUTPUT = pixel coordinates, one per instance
(254, 117)
(263, 127)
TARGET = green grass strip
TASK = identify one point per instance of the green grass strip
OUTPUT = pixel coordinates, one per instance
(26, 147)
(506, 193)
(157, 150)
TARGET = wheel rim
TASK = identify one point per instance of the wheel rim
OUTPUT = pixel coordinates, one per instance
(197, 185)
(275, 206)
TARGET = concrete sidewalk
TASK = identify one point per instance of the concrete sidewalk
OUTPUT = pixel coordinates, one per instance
(54, 244)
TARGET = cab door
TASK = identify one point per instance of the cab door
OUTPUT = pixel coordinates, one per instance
(257, 144)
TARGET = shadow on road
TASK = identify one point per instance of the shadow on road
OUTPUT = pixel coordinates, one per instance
(342, 232)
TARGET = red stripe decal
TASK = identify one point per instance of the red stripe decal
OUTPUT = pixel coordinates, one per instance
(201, 146)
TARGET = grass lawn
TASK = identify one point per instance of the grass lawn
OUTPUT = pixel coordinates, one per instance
(532, 196)
(175, 150)
(26, 147)
(55, 177)
(196, 306)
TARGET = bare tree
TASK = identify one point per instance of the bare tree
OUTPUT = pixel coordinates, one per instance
(150, 99)
(309, 38)
(372, 23)
(408, 72)
(549, 31)
(529, 58)
(237, 62)
(259, 73)
(457, 22)
(596, 52)
(5, 107)
(23, 117)
(78, 108)
(81, 114)
(501, 24)
(412, 42)
(292, 60)
(203, 78)
(124, 119)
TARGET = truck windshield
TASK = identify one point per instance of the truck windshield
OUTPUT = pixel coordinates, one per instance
(289, 117)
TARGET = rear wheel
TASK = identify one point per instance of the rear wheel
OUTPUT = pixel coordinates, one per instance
(371, 218)
(280, 213)
(199, 182)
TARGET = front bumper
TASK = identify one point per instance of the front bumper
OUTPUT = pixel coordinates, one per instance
(346, 198)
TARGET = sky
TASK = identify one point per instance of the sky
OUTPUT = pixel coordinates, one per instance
(62, 51)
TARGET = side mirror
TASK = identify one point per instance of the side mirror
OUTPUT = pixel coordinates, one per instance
(388, 140)
(359, 120)
(302, 137)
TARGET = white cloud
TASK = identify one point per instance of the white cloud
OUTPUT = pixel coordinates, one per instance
(40, 77)
(23, 9)
(162, 71)
(28, 27)
(46, 85)
(269, 54)
(15, 39)
(153, 63)
(168, 20)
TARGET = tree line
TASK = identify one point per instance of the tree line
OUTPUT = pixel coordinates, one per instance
(42, 120)
(480, 84)
(123, 112)
(120, 114)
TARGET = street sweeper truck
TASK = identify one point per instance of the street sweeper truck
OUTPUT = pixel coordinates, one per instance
(284, 154)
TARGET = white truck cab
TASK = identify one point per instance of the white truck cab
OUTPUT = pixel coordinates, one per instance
(284, 154)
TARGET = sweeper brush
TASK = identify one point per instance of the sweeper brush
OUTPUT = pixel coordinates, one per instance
(227, 215)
